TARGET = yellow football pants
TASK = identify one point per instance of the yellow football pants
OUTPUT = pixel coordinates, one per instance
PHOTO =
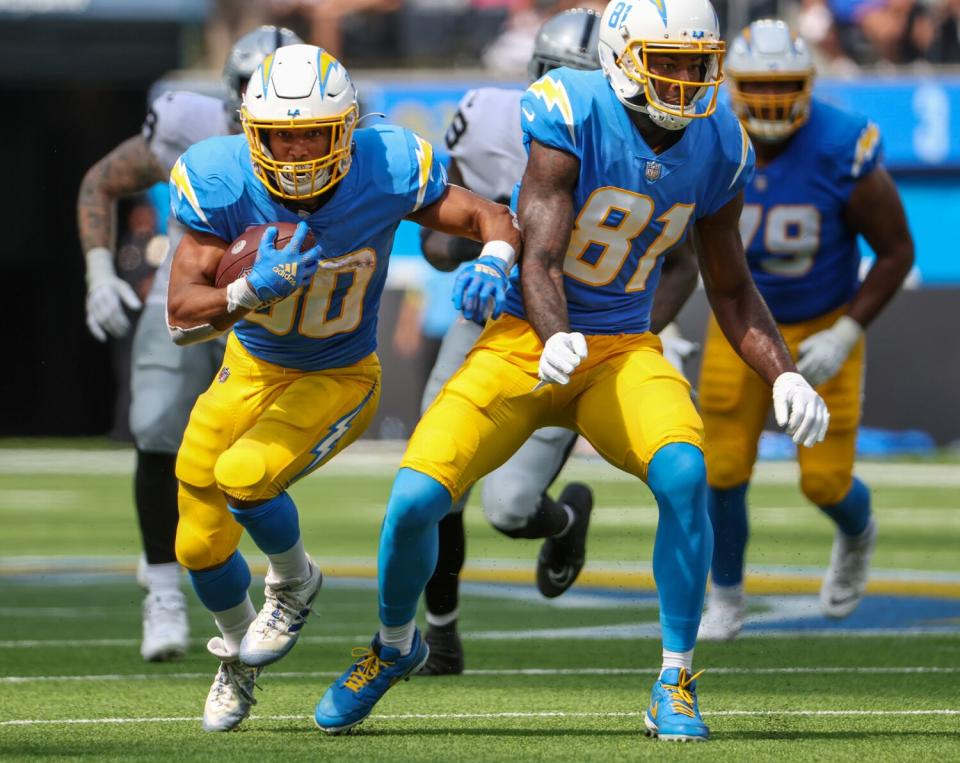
(734, 402)
(257, 429)
(624, 398)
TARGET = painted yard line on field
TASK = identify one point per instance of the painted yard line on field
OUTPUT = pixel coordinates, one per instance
(383, 458)
(521, 672)
(490, 716)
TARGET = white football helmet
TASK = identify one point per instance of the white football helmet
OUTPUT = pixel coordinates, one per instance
(298, 87)
(765, 52)
(630, 32)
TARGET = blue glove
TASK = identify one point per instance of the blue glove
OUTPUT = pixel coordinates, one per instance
(278, 274)
(480, 290)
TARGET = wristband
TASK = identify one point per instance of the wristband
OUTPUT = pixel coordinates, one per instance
(241, 296)
(502, 251)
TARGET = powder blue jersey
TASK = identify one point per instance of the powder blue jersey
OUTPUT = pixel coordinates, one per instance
(802, 254)
(632, 205)
(332, 322)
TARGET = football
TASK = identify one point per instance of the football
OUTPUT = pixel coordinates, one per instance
(241, 254)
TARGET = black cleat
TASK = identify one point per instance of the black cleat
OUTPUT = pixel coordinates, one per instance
(561, 559)
(446, 651)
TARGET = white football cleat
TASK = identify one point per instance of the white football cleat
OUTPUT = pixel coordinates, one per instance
(724, 617)
(166, 631)
(846, 579)
(280, 620)
(231, 696)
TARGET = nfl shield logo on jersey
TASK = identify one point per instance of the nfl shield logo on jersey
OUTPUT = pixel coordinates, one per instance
(652, 171)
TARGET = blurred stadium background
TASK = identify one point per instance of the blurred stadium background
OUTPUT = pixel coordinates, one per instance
(75, 79)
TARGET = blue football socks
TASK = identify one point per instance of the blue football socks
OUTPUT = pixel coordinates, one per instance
(852, 513)
(222, 587)
(408, 543)
(728, 515)
(684, 541)
(274, 525)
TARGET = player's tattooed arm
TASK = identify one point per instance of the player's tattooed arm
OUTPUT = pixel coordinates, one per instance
(194, 304)
(443, 251)
(545, 209)
(460, 212)
(874, 211)
(737, 305)
(678, 279)
(129, 169)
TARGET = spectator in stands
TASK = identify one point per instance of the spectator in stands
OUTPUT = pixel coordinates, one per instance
(326, 18)
(849, 32)
(228, 21)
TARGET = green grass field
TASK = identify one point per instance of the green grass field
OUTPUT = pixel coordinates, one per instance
(563, 680)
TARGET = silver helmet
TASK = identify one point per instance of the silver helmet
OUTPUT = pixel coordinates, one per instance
(247, 54)
(567, 39)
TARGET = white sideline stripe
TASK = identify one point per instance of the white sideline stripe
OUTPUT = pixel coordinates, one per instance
(491, 716)
(505, 672)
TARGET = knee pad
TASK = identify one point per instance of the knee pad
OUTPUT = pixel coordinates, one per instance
(200, 550)
(241, 471)
(825, 488)
(509, 504)
(207, 533)
(416, 501)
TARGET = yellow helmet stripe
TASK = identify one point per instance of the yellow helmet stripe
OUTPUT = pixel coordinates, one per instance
(265, 72)
(325, 64)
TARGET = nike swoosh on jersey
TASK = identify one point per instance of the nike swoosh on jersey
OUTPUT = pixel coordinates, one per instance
(530, 115)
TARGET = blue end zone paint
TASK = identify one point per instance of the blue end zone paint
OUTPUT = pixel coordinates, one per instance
(779, 616)
(874, 613)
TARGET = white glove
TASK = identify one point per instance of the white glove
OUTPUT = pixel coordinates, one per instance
(561, 354)
(676, 348)
(105, 291)
(822, 354)
(799, 409)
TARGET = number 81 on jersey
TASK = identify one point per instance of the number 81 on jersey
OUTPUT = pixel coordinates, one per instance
(605, 229)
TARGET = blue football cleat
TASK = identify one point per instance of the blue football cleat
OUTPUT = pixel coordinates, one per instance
(351, 698)
(673, 715)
